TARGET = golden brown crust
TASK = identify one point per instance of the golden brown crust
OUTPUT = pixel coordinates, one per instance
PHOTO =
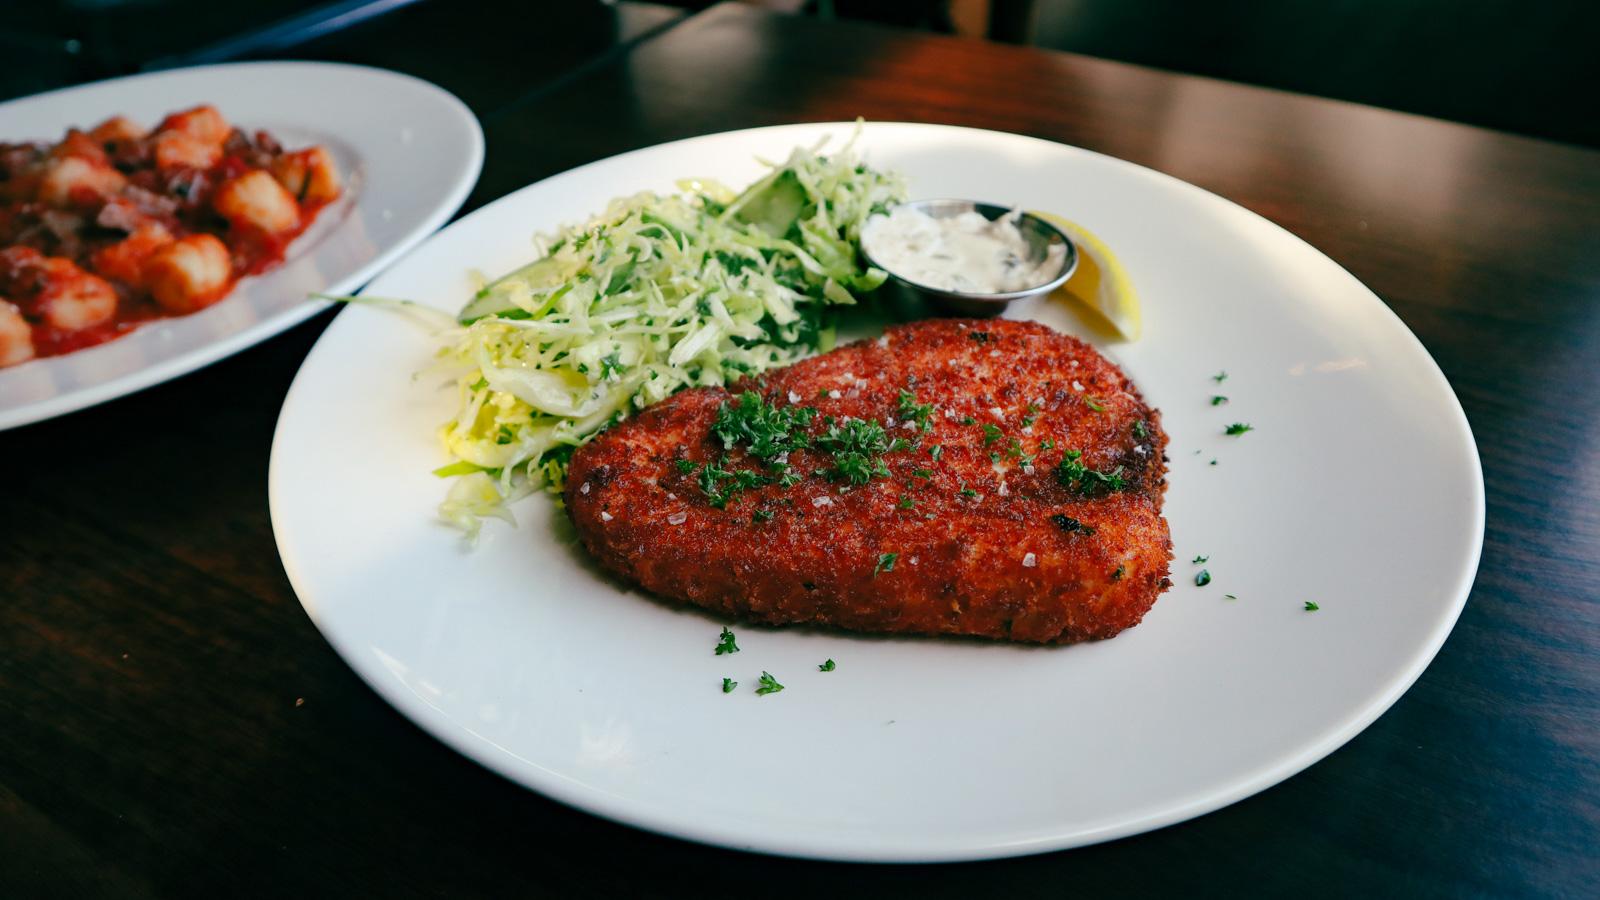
(1001, 564)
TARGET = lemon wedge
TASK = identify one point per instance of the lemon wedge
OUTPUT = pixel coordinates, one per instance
(1101, 283)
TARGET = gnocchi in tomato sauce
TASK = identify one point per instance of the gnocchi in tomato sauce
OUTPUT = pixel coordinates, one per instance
(119, 225)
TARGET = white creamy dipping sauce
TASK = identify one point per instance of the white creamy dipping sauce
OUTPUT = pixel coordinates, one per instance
(965, 252)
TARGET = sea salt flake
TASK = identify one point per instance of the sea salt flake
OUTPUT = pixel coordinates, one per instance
(606, 517)
(834, 395)
(1027, 470)
(1027, 429)
(584, 489)
(678, 518)
(1077, 386)
(793, 397)
(822, 501)
(1030, 560)
(997, 412)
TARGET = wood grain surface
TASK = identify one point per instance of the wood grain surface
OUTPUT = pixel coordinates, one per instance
(172, 725)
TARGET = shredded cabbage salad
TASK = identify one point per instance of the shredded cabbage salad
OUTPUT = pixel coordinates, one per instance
(656, 294)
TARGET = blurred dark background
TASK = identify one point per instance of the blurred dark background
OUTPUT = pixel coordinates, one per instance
(1525, 66)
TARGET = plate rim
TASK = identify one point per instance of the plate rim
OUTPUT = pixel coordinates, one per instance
(595, 801)
(168, 369)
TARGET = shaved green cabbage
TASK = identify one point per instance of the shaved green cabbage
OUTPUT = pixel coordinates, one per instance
(656, 294)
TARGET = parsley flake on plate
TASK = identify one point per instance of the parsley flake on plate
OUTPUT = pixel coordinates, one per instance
(1238, 428)
(725, 643)
(826, 667)
(769, 685)
(1311, 607)
(885, 563)
(1203, 579)
(728, 684)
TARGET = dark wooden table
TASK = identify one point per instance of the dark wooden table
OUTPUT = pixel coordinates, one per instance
(172, 725)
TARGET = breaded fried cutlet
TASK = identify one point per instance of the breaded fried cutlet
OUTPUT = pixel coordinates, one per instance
(978, 477)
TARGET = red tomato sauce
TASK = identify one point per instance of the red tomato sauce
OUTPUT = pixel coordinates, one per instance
(113, 228)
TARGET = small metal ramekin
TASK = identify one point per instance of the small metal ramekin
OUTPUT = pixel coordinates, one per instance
(1040, 235)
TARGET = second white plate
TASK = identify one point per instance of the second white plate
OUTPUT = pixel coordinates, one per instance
(1359, 490)
(409, 152)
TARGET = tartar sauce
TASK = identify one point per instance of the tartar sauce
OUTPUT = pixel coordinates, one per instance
(965, 252)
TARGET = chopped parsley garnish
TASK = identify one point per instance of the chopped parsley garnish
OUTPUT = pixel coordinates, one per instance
(1218, 400)
(1311, 607)
(1117, 575)
(687, 465)
(722, 485)
(991, 433)
(725, 643)
(922, 473)
(1071, 525)
(981, 337)
(1073, 473)
(769, 685)
(968, 420)
(1201, 559)
(906, 502)
(1139, 431)
(761, 515)
(913, 411)
(612, 364)
(858, 447)
(1092, 403)
(1238, 428)
(885, 563)
(826, 667)
(936, 452)
(1220, 377)
(966, 491)
(1203, 579)
(1047, 444)
(766, 430)
(1213, 462)
(1013, 447)
(728, 684)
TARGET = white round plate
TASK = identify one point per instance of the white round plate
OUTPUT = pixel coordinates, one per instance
(408, 150)
(1359, 490)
